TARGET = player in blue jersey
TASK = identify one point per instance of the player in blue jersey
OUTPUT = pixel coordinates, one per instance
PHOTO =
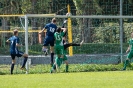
(14, 44)
(49, 38)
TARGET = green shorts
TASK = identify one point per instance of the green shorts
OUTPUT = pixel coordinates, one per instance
(130, 55)
(65, 58)
(59, 50)
(59, 61)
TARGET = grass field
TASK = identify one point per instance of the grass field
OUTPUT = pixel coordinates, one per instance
(108, 79)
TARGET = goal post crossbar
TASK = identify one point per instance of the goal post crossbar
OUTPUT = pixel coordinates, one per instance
(64, 16)
(77, 16)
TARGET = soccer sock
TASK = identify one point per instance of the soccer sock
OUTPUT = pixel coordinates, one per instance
(66, 68)
(75, 44)
(52, 58)
(12, 67)
(24, 62)
(125, 65)
(44, 49)
(54, 67)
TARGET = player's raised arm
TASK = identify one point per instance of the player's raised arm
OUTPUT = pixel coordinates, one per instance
(128, 49)
(8, 41)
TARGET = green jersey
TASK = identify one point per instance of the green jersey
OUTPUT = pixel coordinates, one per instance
(131, 44)
(59, 48)
(58, 38)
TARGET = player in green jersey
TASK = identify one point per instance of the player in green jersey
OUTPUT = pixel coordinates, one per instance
(130, 50)
(59, 49)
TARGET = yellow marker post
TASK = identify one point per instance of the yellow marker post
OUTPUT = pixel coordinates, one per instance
(69, 25)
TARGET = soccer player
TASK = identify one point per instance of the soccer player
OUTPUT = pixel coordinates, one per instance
(49, 39)
(59, 45)
(14, 44)
(130, 50)
(64, 57)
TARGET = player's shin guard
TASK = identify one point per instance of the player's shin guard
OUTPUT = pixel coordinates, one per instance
(12, 67)
(125, 65)
(66, 68)
(52, 59)
(24, 62)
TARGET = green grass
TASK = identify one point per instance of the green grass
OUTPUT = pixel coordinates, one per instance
(108, 79)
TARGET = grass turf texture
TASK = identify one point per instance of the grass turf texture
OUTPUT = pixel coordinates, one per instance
(108, 79)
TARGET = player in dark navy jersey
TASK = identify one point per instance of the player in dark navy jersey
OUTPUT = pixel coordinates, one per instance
(14, 44)
(49, 38)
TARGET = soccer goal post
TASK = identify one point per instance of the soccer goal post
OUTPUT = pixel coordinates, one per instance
(27, 16)
(103, 35)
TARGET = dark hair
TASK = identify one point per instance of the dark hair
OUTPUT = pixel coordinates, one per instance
(54, 20)
(15, 32)
(58, 29)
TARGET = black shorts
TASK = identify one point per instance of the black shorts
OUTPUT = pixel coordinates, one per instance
(18, 55)
(48, 41)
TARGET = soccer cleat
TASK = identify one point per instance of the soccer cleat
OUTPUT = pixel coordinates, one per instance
(81, 42)
(45, 53)
(23, 68)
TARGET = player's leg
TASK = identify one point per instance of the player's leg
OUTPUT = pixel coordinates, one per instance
(56, 65)
(66, 62)
(59, 58)
(44, 48)
(72, 44)
(52, 51)
(129, 56)
(52, 54)
(24, 61)
(13, 63)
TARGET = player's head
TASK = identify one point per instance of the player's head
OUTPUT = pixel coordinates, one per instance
(54, 20)
(15, 32)
(58, 29)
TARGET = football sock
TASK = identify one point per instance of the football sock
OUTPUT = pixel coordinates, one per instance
(12, 67)
(66, 68)
(44, 49)
(54, 67)
(24, 62)
(52, 58)
(125, 65)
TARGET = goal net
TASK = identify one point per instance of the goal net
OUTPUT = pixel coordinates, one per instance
(101, 35)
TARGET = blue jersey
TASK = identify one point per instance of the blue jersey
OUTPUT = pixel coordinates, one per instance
(51, 29)
(13, 41)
